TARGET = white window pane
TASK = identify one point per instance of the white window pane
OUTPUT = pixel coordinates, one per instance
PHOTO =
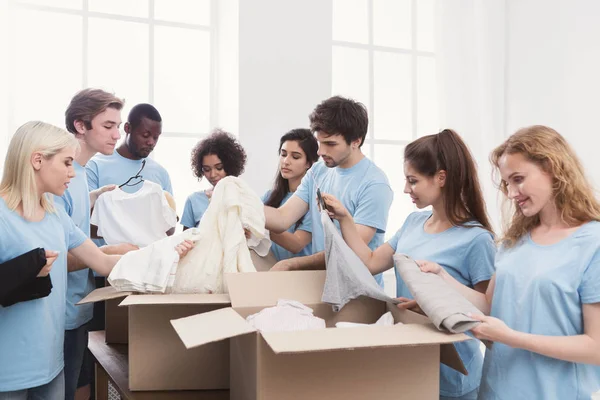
(393, 96)
(350, 77)
(182, 79)
(133, 8)
(186, 11)
(351, 21)
(427, 98)
(366, 149)
(174, 153)
(122, 69)
(46, 69)
(426, 25)
(72, 4)
(390, 158)
(392, 23)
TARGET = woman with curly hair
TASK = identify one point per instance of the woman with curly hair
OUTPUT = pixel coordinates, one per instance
(215, 157)
(543, 303)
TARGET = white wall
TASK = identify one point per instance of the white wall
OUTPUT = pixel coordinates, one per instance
(554, 72)
(284, 71)
(4, 129)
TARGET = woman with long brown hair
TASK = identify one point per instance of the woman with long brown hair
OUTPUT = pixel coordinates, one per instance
(456, 233)
(544, 300)
(297, 153)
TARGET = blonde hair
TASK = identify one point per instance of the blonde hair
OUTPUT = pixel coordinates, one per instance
(573, 195)
(18, 183)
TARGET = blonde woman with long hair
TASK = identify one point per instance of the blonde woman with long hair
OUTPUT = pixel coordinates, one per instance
(39, 163)
(544, 300)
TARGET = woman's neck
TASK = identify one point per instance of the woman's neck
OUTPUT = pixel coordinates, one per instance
(438, 222)
(294, 183)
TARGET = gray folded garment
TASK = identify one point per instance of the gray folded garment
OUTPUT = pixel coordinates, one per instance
(444, 306)
(347, 276)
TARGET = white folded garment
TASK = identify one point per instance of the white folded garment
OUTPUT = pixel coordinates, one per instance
(150, 269)
(286, 316)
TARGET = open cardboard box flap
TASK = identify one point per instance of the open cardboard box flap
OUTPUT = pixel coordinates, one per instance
(151, 299)
(226, 323)
(102, 294)
(356, 338)
(209, 327)
(132, 298)
(263, 289)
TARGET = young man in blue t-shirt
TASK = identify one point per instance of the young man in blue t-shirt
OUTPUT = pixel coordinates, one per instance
(340, 125)
(94, 117)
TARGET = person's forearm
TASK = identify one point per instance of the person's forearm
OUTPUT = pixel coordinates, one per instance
(74, 263)
(355, 242)
(312, 262)
(478, 299)
(581, 349)
(289, 241)
(109, 262)
(274, 220)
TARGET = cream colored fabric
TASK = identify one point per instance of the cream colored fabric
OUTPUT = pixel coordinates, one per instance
(151, 269)
(222, 246)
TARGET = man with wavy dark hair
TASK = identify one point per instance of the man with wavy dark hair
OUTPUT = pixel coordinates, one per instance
(340, 125)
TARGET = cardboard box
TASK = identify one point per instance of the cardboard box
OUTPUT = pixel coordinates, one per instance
(157, 358)
(116, 319)
(374, 362)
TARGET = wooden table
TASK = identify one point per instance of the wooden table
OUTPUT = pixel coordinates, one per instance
(111, 364)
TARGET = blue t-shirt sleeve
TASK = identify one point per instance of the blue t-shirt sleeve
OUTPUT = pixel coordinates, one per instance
(91, 170)
(265, 196)
(374, 206)
(589, 288)
(304, 190)
(73, 235)
(64, 202)
(187, 219)
(306, 224)
(393, 242)
(480, 256)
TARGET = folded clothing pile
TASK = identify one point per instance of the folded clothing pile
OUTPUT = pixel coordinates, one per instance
(286, 316)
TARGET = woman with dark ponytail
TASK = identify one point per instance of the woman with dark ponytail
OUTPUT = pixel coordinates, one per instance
(297, 153)
(456, 234)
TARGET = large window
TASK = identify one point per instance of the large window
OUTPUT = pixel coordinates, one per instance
(383, 56)
(155, 51)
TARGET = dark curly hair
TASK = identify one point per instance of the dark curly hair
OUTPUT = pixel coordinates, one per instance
(225, 146)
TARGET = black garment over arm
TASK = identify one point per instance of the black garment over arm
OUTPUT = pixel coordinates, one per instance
(18, 278)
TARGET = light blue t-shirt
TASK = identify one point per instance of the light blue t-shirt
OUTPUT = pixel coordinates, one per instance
(306, 225)
(76, 203)
(195, 207)
(32, 332)
(363, 189)
(115, 170)
(540, 290)
(467, 253)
